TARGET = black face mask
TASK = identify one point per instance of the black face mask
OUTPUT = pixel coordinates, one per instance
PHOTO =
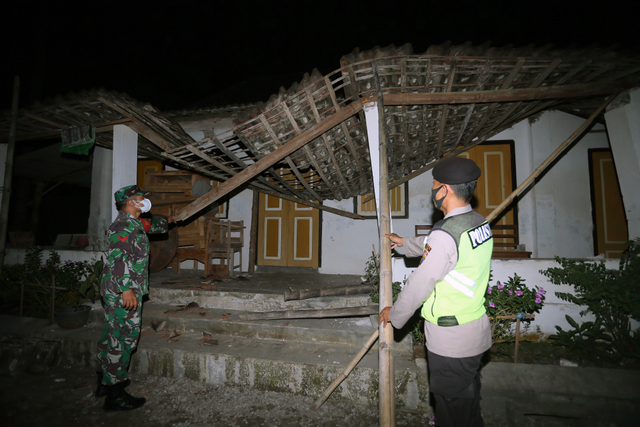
(437, 202)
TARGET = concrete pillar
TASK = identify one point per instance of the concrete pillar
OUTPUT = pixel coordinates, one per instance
(623, 127)
(125, 161)
(100, 209)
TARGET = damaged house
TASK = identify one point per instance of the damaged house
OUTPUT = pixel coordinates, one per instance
(300, 170)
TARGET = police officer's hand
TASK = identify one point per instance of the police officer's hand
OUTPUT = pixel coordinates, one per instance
(384, 316)
(129, 300)
(396, 241)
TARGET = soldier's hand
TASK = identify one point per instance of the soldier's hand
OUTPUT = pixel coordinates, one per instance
(171, 219)
(396, 241)
(129, 300)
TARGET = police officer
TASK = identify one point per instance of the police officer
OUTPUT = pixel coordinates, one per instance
(449, 286)
(124, 283)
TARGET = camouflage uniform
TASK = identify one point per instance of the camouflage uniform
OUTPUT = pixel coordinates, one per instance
(126, 268)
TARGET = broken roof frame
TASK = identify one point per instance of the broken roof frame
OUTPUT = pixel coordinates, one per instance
(309, 144)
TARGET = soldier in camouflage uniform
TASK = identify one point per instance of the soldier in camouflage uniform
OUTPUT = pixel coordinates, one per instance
(124, 283)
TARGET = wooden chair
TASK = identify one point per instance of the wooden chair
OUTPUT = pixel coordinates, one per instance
(197, 236)
(227, 239)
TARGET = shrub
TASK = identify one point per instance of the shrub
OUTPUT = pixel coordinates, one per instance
(611, 296)
(511, 298)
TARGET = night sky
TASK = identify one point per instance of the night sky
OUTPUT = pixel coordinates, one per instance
(184, 54)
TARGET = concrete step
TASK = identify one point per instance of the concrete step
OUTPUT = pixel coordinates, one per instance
(241, 300)
(267, 364)
(352, 331)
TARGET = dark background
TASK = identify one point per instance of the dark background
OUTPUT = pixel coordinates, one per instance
(178, 55)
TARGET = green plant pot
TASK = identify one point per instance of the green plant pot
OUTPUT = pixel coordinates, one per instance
(72, 317)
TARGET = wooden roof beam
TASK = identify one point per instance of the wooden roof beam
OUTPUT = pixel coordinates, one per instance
(309, 153)
(140, 127)
(269, 160)
(505, 95)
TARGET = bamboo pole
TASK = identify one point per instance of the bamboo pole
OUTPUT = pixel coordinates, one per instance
(53, 299)
(312, 314)
(253, 233)
(385, 349)
(346, 372)
(515, 357)
(327, 292)
(549, 159)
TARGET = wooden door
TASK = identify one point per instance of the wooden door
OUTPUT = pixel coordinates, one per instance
(611, 231)
(494, 185)
(288, 233)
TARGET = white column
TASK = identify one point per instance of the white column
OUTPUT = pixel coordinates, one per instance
(125, 161)
(373, 137)
(100, 209)
(623, 127)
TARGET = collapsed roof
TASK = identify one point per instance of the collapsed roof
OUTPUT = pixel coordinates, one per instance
(310, 142)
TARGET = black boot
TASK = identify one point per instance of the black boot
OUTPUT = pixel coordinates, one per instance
(118, 399)
(101, 390)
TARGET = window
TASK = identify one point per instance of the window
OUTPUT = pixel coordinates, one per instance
(398, 197)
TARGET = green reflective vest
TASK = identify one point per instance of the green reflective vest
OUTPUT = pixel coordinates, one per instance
(461, 292)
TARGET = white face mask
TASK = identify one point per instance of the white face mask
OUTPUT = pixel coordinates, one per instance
(146, 205)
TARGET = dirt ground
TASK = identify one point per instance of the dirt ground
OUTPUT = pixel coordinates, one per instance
(545, 353)
(63, 397)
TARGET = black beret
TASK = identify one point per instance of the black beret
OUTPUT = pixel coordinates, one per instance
(456, 170)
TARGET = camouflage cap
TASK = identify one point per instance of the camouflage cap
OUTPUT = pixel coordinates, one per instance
(128, 191)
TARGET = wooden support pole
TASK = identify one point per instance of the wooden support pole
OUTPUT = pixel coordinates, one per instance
(326, 292)
(549, 159)
(253, 233)
(386, 389)
(53, 299)
(269, 160)
(312, 314)
(347, 371)
(515, 357)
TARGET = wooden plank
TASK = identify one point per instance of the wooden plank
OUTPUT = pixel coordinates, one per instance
(309, 153)
(275, 174)
(292, 166)
(47, 121)
(506, 95)
(312, 314)
(139, 127)
(326, 292)
(312, 204)
(314, 109)
(345, 130)
(269, 160)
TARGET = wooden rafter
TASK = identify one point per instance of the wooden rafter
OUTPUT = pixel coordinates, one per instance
(269, 160)
(336, 166)
(506, 95)
(309, 153)
(343, 125)
(292, 166)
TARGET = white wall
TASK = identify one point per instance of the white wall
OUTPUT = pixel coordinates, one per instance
(555, 214)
